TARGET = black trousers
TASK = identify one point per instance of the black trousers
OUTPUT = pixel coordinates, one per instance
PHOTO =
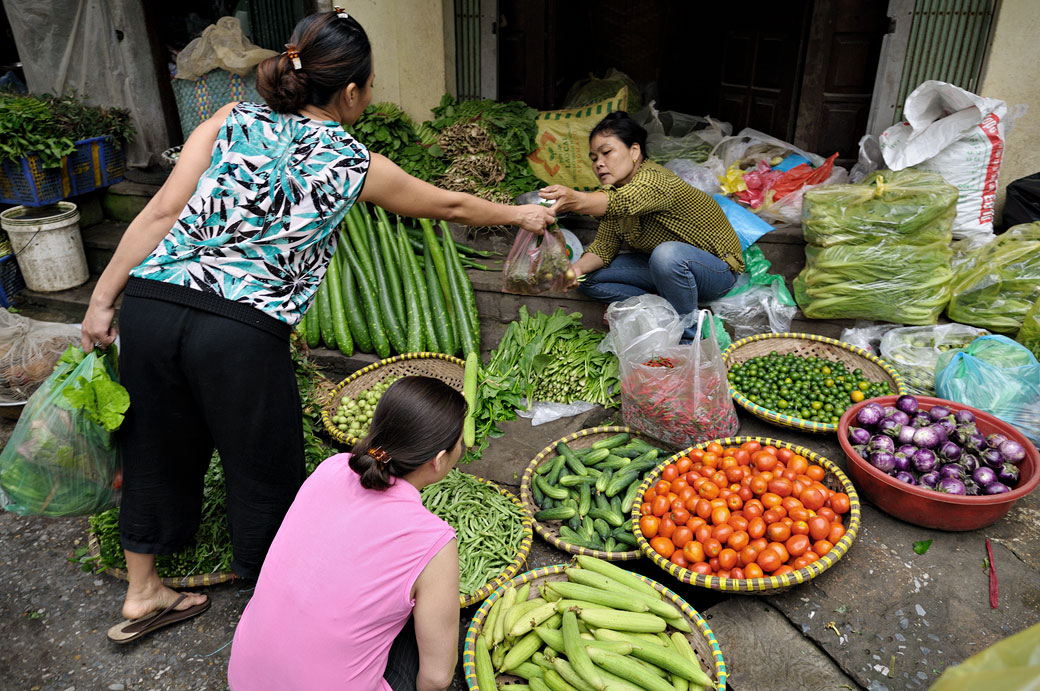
(402, 666)
(197, 381)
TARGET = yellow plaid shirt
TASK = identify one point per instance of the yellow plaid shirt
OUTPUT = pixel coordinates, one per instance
(658, 206)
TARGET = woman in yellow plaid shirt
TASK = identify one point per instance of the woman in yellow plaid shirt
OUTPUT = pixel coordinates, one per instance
(683, 248)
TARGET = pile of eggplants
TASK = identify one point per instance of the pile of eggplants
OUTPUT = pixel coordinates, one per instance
(938, 449)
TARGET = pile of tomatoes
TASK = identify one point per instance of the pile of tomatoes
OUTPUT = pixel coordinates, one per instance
(742, 512)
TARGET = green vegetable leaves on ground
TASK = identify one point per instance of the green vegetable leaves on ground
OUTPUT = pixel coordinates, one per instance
(921, 546)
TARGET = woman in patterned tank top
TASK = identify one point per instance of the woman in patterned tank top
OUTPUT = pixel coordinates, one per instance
(683, 248)
(215, 272)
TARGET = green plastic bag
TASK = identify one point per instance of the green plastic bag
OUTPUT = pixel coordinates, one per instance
(759, 302)
(1029, 334)
(879, 249)
(1012, 664)
(998, 283)
(62, 459)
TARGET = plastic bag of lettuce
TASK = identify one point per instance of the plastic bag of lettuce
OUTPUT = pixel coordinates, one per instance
(1029, 334)
(879, 249)
(998, 283)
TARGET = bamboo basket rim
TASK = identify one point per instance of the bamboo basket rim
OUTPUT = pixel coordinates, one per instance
(331, 398)
(707, 636)
(791, 421)
(767, 585)
(194, 581)
(549, 533)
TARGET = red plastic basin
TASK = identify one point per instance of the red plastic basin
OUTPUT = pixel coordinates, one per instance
(929, 508)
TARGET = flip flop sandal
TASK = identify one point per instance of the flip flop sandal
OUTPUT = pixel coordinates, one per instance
(130, 630)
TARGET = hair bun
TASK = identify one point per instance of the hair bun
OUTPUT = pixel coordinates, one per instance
(284, 88)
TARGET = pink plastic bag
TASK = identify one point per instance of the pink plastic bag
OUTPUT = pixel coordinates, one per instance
(537, 264)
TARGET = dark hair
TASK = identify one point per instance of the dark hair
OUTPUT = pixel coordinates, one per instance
(416, 418)
(334, 52)
(620, 125)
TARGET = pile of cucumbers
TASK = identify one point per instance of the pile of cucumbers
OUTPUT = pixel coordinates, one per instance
(603, 627)
(591, 491)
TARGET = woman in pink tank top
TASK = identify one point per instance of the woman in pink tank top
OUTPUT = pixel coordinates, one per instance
(360, 587)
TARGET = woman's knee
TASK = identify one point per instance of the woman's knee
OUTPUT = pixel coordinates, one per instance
(669, 255)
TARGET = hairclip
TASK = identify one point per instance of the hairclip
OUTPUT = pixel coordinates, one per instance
(341, 12)
(294, 55)
(382, 457)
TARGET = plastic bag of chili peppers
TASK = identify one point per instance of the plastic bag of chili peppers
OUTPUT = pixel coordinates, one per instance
(680, 395)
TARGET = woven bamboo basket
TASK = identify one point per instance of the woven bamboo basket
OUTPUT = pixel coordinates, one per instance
(769, 585)
(195, 581)
(549, 530)
(701, 638)
(519, 559)
(853, 357)
(444, 367)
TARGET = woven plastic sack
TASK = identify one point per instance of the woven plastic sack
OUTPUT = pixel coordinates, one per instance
(995, 375)
(29, 350)
(1029, 334)
(678, 394)
(878, 250)
(62, 459)
(537, 263)
(587, 92)
(1011, 664)
(915, 350)
(997, 284)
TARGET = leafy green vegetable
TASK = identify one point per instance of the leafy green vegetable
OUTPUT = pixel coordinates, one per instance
(1029, 334)
(921, 546)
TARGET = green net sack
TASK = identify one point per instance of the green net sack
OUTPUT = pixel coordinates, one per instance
(62, 459)
(1029, 334)
(998, 283)
(879, 249)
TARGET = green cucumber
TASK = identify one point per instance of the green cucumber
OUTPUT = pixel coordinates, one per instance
(351, 300)
(438, 308)
(469, 391)
(344, 341)
(328, 334)
(413, 319)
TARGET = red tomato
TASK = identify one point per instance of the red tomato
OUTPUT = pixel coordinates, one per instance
(738, 540)
(756, 527)
(753, 570)
(819, 528)
(748, 555)
(784, 455)
(693, 551)
(764, 460)
(702, 568)
(646, 509)
(712, 547)
(753, 509)
(781, 549)
(702, 532)
(715, 448)
(659, 506)
(768, 560)
(837, 532)
(648, 525)
(682, 535)
(840, 503)
(771, 500)
(722, 532)
(822, 546)
(800, 528)
(666, 527)
(670, 472)
(681, 516)
(778, 532)
(663, 546)
(662, 487)
(678, 559)
(797, 545)
(684, 464)
(720, 515)
(751, 446)
(780, 486)
(813, 499)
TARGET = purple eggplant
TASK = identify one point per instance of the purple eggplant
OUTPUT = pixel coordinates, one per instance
(898, 416)
(984, 476)
(926, 438)
(971, 488)
(1012, 451)
(976, 443)
(947, 426)
(925, 461)
(938, 412)
(906, 477)
(995, 440)
(952, 470)
(951, 485)
(991, 457)
(995, 488)
(1008, 474)
(950, 451)
(940, 431)
(906, 435)
(908, 404)
(906, 449)
(858, 436)
(964, 417)
(921, 420)
(903, 462)
(890, 427)
(869, 416)
(881, 442)
(929, 480)
(861, 450)
(884, 461)
(969, 462)
(961, 434)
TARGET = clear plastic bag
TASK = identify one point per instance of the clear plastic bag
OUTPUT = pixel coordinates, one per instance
(1010, 664)
(879, 250)
(28, 351)
(643, 325)
(866, 335)
(914, 351)
(537, 264)
(995, 375)
(221, 46)
(671, 135)
(753, 310)
(679, 394)
(996, 285)
(695, 174)
(62, 459)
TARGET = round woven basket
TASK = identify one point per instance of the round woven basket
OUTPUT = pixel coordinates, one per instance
(702, 640)
(196, 581)
(835, 479)
(448, 369)
(550, 530)
(853, 357)
(518, 560)
(170, 156)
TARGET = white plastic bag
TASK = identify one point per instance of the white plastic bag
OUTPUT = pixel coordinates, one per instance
(755, 310)
(29, 350)
(696, 175)
(866, 335)
(959, 135)
(547, 411)
(749, 146)
(642, 326)
(914, 351)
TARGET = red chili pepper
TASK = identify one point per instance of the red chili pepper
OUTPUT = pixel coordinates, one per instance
(993, 586)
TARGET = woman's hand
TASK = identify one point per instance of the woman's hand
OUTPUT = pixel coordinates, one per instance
(566, 198)
(535, 218)
(97, 327)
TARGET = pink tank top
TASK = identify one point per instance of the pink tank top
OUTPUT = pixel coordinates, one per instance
(335, 588)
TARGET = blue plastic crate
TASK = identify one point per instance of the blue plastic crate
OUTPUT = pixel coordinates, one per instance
(95, 163)
(11, 280)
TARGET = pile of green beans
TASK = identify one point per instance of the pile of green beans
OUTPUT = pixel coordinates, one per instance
(488, 526)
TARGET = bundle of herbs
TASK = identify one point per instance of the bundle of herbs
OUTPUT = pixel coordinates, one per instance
(386, 129)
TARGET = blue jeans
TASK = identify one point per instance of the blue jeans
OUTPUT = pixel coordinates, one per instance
(682, 274)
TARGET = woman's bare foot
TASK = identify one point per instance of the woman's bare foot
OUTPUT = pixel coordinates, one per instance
(142, 602)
